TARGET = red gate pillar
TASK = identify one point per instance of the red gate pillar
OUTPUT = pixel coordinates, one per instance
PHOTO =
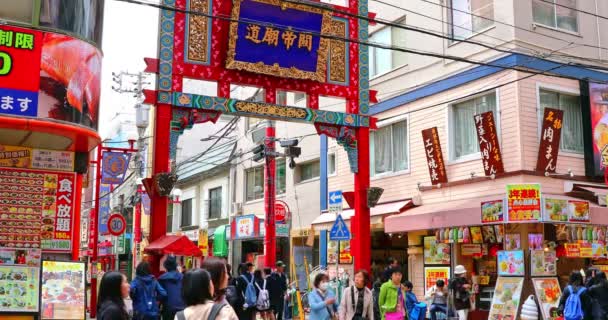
(361, 243)
(159, 205)
(270, 241)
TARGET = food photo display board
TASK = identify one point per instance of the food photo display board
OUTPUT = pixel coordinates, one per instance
(548, 294)
(507, 295)
(63, 290)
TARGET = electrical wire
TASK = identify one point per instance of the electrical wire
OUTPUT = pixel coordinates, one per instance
(575, 9)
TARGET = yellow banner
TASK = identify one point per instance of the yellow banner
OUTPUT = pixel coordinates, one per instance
(203, 242)
(15, 157)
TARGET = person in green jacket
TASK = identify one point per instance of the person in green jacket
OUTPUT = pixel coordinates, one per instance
(392, 297)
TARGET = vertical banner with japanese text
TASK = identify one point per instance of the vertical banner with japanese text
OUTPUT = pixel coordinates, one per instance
(434, 156)
(104, 208)
(549, 140)
(488, 143)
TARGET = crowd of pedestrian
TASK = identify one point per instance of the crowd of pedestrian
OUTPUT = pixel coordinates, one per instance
(205, 293)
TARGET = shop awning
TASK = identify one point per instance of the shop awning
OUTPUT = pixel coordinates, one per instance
(592, 192)
(376, 213)
(172, 244)
(462, 213)
(220, 245)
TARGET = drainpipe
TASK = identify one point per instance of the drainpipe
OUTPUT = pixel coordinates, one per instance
(599, 39)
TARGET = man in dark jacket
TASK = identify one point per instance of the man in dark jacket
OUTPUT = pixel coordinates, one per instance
(277, 286)
(599, 296)
(171, 281)
(241, 286)
(145, 293)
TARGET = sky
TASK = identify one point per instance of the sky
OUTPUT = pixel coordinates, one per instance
(130, 33)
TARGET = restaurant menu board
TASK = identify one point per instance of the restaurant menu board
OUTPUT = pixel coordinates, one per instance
(511, 263)
(345, 256)
(524, 202)
(19, 289)
(507, 296)
(435, 252)
(543, 263)
(548, 294)
(563, 210)
(63, 290)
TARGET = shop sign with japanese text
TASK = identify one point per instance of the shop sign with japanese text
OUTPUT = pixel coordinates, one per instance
(524, 202)
(29, 158)
(104, 208)
(488, 143)
(203, 242)
(279, 39)
(49, 75)
(434, 156)
(64, 214)
(432, 274)
(549, 140)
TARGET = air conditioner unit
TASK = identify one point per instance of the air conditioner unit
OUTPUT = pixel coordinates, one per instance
(237, 207)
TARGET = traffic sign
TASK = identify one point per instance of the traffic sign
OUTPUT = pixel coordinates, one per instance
(280, 212)
(117, 224)
(335, 201)
(339, 231)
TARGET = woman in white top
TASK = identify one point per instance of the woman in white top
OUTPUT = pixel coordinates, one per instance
(198, 295)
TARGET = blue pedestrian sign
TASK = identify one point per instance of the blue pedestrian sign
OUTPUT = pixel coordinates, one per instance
(339, 231)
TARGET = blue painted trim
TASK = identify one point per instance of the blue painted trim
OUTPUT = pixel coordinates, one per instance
(323, 248)
(323, 177)
(513, 60)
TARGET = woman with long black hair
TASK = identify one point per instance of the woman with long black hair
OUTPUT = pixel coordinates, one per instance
(113, 289)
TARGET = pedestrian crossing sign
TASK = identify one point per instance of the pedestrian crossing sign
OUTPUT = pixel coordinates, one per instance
(339, 231)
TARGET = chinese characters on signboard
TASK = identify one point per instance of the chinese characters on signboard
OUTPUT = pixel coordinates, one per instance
(432, 274)
(549, 140)
(434, 156)
(276, 44)
(488, 143)
(63, 219)
(523, 202)
(24, 157)
(114, 166)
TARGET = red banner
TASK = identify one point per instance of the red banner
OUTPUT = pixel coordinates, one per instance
(434, 156)
(488, 143)
(549, 140)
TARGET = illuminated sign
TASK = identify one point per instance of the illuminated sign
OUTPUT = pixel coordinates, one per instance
(280, 39)
(48, 75)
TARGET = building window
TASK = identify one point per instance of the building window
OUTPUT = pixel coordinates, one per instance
(186, 213)
(299, 96)
(215, 203)
(389, 145)
(463, 137)
(553, 13)
(254, 183)
(384, 60)
(308, 171)
(572, 124)
(470, 16)
(331, 164)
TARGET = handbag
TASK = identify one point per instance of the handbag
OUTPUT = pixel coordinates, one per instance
(396, 315)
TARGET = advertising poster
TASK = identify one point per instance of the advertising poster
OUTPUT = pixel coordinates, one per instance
(476, 236)
(432, 274)
(19, 289)
(489, 236)
(49, 75)
(332, 252)
(513, 241)
(245, 227)
(491, 212)
(573, 250)
(523, 202)
(535, 241)
(556, 210)
(203, 242)
(83, 17)
(499, 230)
(20, 257)
(548, 294)
(36, 209)
(345, 256)
(543, 263)
(28, 158)
(507, 296)
(579, 211)
(436, 253)
(63, 290)
(511, 263)
(598, 94)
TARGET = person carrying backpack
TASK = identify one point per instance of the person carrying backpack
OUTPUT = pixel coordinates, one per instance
(575, 303)
(145, 293)
(263, 302)
(245, 288)
(171, 281)
(198, 292)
